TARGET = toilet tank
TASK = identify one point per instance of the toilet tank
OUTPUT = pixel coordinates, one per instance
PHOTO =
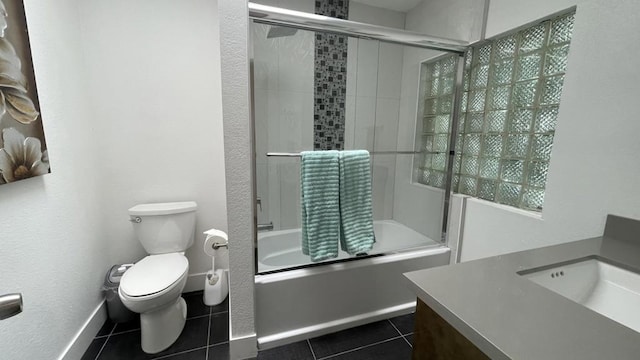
(164, 227)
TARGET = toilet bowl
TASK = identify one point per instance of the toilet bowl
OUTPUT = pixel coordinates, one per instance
(152, 288)
(153, 285)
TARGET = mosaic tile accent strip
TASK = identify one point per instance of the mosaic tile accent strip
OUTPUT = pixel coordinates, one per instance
(512, 90)
(330, 80)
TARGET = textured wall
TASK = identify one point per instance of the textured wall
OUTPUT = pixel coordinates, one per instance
(53, 241)
(130, 97)
(154, 88)
(238, 164)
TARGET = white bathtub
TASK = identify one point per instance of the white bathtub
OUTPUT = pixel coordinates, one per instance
(282, 249)
(307, 302)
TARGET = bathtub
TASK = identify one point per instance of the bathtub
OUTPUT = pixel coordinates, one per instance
(297, 304)
(282, 249)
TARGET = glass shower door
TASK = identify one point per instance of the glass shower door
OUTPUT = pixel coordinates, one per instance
(308, 97)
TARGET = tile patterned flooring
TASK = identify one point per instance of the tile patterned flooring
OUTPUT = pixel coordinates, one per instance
(383, 340)
(206, 337)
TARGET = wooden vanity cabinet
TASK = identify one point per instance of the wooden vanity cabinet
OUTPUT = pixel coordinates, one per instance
(435, 339)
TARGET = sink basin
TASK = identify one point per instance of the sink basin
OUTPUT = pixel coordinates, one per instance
(600, 286)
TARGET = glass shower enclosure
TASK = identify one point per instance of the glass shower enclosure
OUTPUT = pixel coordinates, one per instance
(319, 91)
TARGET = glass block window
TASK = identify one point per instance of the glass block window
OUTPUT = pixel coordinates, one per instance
(437, 83)
(509, 108)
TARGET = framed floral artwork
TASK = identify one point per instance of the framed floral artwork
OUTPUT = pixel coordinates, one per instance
(23, 152)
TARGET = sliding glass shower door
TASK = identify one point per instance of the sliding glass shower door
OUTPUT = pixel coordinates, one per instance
(318, 91)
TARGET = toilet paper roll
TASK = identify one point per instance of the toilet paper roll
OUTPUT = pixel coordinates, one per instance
(214, 236)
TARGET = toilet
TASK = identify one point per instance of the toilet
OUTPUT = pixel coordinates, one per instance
(152, 287)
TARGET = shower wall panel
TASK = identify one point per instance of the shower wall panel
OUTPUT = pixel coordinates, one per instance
(283, 111)
(416, 206)
(285, 107)
(374, 76)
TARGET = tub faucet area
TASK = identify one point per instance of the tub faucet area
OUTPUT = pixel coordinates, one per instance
(266, 227)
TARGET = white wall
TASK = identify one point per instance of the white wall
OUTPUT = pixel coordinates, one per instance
(374, 76)
(415, 205)
(153, 74)
(457, 19)
(130, 98)
(52, 234)
(593, 170)
(375, 15)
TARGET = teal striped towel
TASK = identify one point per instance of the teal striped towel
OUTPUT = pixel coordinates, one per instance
(320, 195)
(356, 214)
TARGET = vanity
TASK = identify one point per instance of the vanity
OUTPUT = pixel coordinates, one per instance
(579, 300)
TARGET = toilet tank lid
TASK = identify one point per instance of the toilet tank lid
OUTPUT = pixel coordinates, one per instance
(163, 208)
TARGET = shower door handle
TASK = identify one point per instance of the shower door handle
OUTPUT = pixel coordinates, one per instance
(10, 305)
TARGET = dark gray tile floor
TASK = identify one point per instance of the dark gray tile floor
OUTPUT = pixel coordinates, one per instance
(383, 340)
(206, 337)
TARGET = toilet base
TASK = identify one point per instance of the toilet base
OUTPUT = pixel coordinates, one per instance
(160, 328)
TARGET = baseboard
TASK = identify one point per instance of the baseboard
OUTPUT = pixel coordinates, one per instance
(85, 335)
(244, 347)
(195, 282)
(288, 337)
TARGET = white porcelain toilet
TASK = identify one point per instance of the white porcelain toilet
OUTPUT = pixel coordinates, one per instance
(152, 287)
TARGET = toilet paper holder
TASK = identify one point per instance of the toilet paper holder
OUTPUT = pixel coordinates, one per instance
(217, 246)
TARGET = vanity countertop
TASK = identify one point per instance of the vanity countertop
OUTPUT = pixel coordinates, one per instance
(508, 316)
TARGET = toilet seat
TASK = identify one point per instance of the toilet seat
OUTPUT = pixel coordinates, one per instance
(153, 275)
